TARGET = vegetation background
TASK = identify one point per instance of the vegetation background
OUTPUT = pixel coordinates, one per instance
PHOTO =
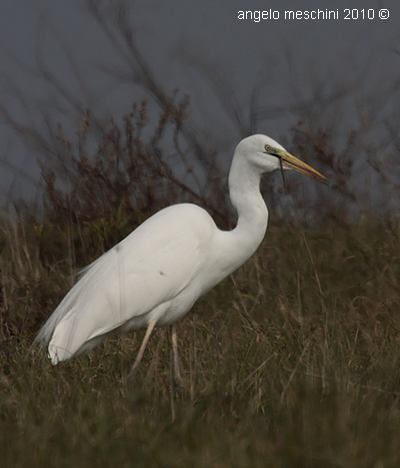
(292, 361)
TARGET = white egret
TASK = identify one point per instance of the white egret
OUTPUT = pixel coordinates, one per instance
(155, 275)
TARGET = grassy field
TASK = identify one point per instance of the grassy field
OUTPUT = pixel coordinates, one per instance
(291, 362)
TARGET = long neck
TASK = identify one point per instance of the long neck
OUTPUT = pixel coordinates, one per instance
(244, 190)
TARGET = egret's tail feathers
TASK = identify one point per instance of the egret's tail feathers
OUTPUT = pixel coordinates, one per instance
(58, 334)
(57, 354)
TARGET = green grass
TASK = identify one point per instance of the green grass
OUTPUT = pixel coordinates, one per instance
(292, 362)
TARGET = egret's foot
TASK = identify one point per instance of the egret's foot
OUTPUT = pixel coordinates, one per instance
(132, 376)
(179, 382)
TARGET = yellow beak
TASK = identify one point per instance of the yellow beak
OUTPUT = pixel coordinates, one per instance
(292, 162)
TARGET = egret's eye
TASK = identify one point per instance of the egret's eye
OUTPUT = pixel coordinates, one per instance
(267, 148)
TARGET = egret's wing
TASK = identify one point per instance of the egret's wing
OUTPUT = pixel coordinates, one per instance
(150, 267)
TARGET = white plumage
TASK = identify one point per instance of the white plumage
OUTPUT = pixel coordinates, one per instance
(155, 275)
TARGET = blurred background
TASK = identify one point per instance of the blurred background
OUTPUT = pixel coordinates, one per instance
(145, 102)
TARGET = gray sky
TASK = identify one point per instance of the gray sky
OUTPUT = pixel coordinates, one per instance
(188, 44)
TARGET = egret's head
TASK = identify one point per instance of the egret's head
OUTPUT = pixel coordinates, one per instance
(267, 155)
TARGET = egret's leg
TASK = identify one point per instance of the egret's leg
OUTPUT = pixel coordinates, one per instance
(142, 349)
(177, 369)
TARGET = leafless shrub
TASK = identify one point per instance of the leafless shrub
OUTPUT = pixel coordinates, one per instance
(143, 164)
(125, 169)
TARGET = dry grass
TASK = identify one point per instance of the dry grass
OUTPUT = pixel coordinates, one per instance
(293, 361)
